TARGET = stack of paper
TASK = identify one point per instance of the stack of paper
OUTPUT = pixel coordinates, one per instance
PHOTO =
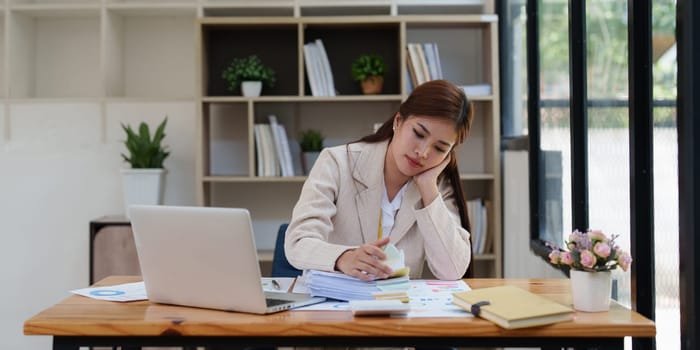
(339, 286)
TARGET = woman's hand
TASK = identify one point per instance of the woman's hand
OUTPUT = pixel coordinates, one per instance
(427, 181)
(365, 261)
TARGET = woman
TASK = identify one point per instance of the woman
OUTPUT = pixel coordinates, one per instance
(399, 185)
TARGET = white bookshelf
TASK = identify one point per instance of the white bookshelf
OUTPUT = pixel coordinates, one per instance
(226, 172)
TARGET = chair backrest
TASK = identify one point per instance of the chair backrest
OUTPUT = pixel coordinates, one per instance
(280, 265)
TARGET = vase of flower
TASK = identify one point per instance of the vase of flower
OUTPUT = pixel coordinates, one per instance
(591, 256)
(590, 291)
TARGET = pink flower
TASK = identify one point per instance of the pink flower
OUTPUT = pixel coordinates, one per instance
(565, 258)
(554, 256)
(590, 251)
(601, 249)
(625, 260)
(587, 259)
(597, 236)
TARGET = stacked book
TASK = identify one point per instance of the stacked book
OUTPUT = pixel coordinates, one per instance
(272, 152)
(423, 63)
(318, 69)
(478, 217)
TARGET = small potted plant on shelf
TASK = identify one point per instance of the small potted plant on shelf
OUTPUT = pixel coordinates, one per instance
(311, 143)
(369, 70)
(248, 73)
(145, 180)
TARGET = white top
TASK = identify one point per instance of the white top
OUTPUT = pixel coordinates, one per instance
(389, 209)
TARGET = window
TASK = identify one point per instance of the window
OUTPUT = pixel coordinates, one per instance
(547, 122)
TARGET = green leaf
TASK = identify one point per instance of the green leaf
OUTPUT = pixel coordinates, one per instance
(144, 151)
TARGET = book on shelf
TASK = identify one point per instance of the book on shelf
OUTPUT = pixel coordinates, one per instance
(423, 62)
(435, 54)
(318, 69)
(431, 60)
(259, 164)
(312, 70)
(284, 156)
(411, 75)
(477, 89)
(478, 218)
(267, 162)
(511, 307)
(327, 73)
(415, 61)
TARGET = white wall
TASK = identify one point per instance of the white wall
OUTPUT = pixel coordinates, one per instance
(518, 260)
(59, 169)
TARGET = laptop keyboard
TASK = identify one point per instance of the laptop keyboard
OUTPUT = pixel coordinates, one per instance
(275, 302)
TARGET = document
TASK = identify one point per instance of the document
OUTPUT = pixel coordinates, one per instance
(121, 292)
(511, 307)
(427, 298)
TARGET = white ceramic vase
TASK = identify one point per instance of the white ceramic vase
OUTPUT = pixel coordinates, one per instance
(251, 88)
(143, 186)
(591, 290)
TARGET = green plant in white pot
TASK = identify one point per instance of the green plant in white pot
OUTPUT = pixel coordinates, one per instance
(249, 74)
(311, 144)
(145, 180)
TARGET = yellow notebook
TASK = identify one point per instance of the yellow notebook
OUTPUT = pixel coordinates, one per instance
(511, 307)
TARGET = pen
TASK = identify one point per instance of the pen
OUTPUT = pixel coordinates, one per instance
(276, 284)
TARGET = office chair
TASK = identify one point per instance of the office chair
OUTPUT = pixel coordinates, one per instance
(280, 265)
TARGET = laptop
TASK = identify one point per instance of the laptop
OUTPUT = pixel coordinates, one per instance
(204, 257)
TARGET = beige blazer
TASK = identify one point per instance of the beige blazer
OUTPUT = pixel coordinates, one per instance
(339, 209)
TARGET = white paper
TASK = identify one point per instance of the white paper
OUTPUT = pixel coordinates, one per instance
(394, 257)
(121, 292)
(427, 298)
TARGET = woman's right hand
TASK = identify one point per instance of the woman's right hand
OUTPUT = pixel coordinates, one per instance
(365, 261)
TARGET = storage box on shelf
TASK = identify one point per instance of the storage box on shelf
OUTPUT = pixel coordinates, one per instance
(227, 158)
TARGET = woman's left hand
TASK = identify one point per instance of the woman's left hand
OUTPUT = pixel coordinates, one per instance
(427, 181)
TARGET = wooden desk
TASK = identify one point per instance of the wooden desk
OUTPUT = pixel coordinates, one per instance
(79, 321)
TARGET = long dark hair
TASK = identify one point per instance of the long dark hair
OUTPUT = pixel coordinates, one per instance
(439, 99)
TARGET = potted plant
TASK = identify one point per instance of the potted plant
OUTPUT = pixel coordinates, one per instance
(590, 256)
(248, 73)
(145, 180)
(369, 71)
(311, 144)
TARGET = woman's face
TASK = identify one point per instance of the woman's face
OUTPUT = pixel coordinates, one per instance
(421, 143)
